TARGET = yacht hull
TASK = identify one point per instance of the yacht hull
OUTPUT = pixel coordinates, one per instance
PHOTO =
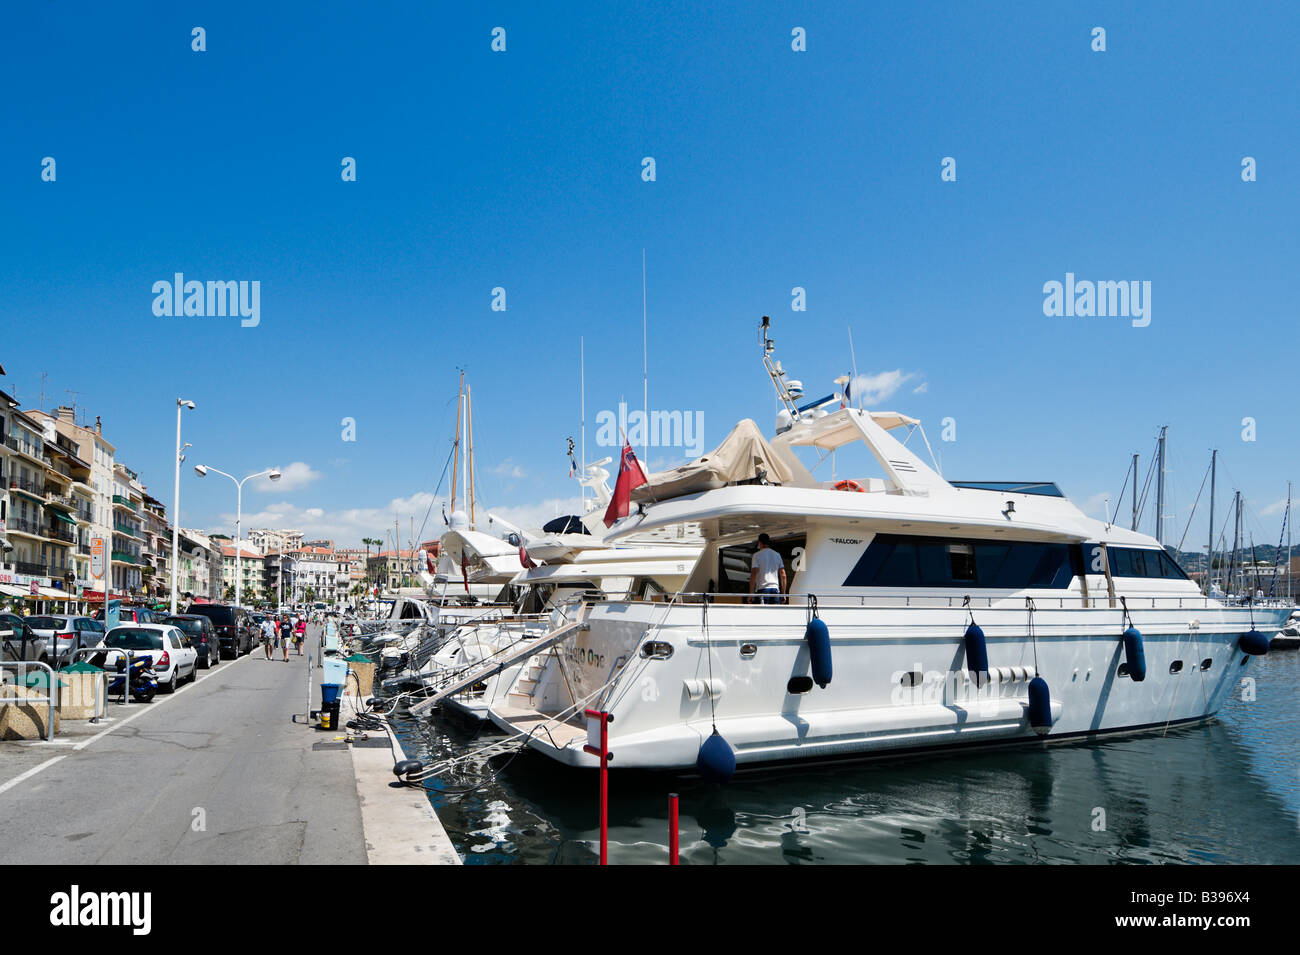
(899, 680)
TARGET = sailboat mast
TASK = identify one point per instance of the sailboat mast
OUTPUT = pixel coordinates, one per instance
(645, 373)
(1236, 539)
(1160, 487)
(1209, 550)
(1288, 543)
(582, 417)
(455, 466)
(1135, 493)
(469, 437)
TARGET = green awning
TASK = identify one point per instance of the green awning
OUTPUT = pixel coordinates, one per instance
(63, 517)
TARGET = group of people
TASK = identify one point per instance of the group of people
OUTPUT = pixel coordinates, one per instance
(277, 632)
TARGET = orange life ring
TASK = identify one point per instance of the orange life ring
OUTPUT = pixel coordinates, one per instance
(847, 485)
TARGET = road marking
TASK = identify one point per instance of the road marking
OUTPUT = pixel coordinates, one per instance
(142, 708)
(30, 773)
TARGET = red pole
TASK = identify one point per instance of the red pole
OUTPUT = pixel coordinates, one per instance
(604, 754)
(604, 791)
(672, 829)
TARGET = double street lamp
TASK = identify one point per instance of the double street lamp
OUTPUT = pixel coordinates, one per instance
(202, 471)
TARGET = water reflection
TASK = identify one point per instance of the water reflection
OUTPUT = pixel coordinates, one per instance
(1224, 793)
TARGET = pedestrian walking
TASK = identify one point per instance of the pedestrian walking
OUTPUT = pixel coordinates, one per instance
(299, 635)
(286, 633)
(268, 636)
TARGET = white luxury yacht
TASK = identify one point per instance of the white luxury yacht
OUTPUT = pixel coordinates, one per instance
(922, 614)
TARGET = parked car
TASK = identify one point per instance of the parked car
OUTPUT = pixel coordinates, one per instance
(69, 633)
(201, 634)
(232, 625)
(173, 661)
(130, 614)
(19, 642)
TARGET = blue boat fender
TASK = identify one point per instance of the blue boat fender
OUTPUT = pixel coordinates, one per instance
(716, 761)
(977, 651)
(819, 651)
(1040, 706)
(1135, 655)
(1254, 643)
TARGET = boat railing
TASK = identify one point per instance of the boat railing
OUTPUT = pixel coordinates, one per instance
(957, 601)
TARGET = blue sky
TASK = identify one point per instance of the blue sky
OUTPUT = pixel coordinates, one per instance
(774, 169)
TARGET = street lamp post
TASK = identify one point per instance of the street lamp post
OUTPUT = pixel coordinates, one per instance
(176, 497)
(202, 471)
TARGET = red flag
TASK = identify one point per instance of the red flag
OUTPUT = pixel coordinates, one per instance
(524, 559)
(464, 570)
(630, 475)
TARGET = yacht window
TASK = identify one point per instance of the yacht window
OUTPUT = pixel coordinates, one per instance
(961, 561)
(1138, 562)
(892, 560)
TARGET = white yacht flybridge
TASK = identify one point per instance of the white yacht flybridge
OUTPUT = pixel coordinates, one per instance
(921, 614)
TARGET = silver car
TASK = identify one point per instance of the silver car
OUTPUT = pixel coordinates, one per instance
(70, 633)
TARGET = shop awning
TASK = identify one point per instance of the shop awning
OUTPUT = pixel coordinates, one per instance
(10, 590)
(63, 517)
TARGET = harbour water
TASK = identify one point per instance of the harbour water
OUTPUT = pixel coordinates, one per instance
(1227, 792)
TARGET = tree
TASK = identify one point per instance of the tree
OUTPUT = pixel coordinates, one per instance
(229, 593)
(250, 595)
(368, 541)
(309, 596)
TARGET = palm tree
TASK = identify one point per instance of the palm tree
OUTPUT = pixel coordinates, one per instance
(310, 595)
(229, 593)
(250, 595)
(368, 541)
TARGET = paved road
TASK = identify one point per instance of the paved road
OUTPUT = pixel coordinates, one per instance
(225, 745)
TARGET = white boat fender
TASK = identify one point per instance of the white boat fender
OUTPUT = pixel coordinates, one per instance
(1040, 706)
(818, 639)
(716, 761)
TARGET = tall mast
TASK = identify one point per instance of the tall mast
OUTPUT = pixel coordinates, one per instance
(1160, 487)
(469, 437)
(1236, 537)
(645, 375)
(1209, 550)
(582, 415)
(1135, 493)
(1288, 542)
(455, 466)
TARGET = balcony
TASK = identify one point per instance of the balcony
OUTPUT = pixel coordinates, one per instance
(22, 525)
(84, 516)
(31, 568)
(61, 534)
(83, 549)
(126, 557)
(54, 498)
(121, 501)
(25, 448)
(30, 488)
(126, 529)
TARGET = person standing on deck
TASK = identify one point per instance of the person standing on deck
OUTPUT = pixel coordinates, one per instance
(767, 573)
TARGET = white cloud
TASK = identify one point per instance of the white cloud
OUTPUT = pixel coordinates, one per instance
(348, 526)
(870, 390)
(508, 468)
(296, 475)
(1277, 507)
(922, 388)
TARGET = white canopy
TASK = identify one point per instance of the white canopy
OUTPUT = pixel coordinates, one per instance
(743, 457)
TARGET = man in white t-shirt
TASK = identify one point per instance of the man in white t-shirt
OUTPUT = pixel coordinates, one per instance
(767, 573)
